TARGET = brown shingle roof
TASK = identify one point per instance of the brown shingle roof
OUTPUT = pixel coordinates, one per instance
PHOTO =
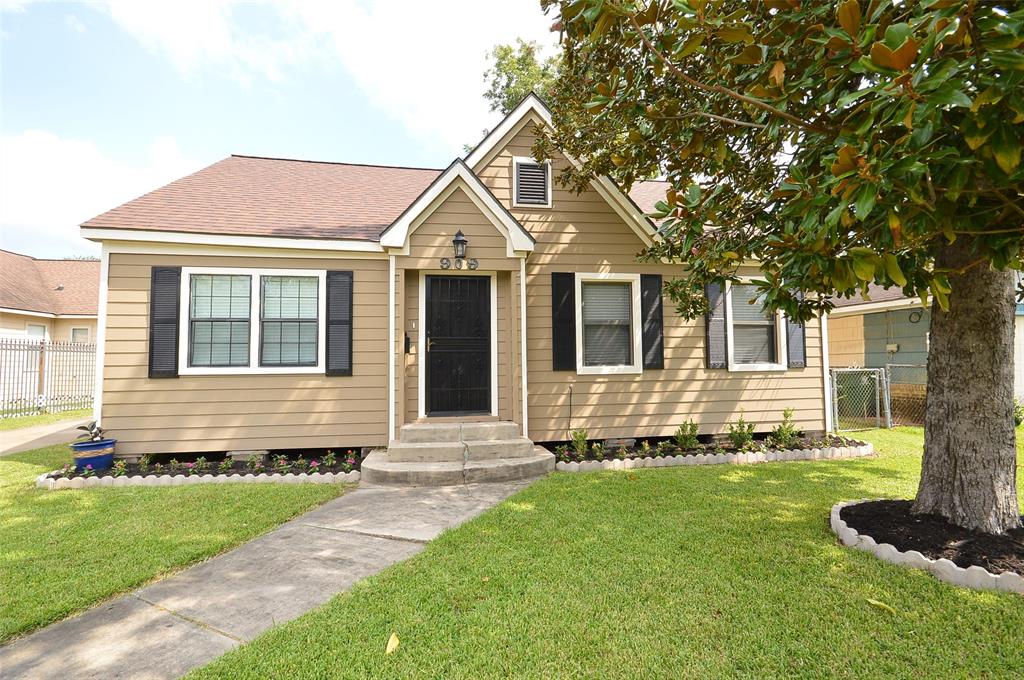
(252, 196)
(647, 193)
(877, 294)
(49, 286)
(256, 196)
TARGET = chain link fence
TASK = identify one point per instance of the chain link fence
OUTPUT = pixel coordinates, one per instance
(38, 376)
(858, 398)
(863, 398)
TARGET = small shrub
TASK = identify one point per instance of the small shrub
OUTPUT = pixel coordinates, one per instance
(281, 463)
(119, 469)
(665, 448)
(68, 470)
(158, 469)
(202, 465)
(255, 464)
(622, 453)
(646, 450)
(741, 433)
(329, 459)
(1018, 412)
(578, 439)
(313, 467)
(174, 466)
(686, 436)
(597, 451)
(562, 453)
(224, 467)
(190, 469)
(785, 435)
(87, 471)
(144, 463)
(719, 449)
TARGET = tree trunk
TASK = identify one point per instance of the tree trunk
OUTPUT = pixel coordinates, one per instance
(968, 474)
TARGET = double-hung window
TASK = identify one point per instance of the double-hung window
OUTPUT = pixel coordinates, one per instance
(289, 321)
(608, 338)
(754, 339)
(219, 327)
(260, 321)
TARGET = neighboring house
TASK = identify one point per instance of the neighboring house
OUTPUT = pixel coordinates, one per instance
(279, 304)
(892, 330)
(48, 299)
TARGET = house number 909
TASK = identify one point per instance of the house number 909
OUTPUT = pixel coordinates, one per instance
(459, 263)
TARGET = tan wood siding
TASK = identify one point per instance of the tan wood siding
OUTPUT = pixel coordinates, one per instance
(582, 233)
(432, 239)
(212, 413)
(846, 341)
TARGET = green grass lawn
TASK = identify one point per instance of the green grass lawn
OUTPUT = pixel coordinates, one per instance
(61, 551)
(18, 422)
(700, 572)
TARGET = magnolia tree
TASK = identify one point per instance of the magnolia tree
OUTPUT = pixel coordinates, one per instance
(834, 144)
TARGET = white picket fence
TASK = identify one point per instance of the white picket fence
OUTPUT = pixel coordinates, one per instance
(39, 377)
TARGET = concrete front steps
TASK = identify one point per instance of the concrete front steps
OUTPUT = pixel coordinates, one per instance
(443, 454)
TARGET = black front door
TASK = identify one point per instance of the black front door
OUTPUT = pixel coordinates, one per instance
(458, 331)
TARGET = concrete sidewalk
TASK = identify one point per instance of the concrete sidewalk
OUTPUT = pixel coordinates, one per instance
(38, 436)
(187, 620)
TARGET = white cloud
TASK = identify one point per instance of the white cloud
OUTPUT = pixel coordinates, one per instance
(74, 23)
(423, 62)
(49, 185)
(420, 63)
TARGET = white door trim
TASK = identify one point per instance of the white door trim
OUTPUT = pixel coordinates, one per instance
(421, 340)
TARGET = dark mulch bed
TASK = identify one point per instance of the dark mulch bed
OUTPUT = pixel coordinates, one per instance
(932, 536)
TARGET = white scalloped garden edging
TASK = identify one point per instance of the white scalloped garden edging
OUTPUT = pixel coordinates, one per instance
(827, 453)
(44, 481)
(943, 569)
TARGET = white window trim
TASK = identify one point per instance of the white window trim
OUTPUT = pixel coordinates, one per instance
(516, 160)
(185, 327)
(46, 330)
(421, 336)
(780, 338)
(635, 324)
(71, 333)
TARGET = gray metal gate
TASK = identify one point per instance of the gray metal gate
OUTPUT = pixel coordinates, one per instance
(860, 398)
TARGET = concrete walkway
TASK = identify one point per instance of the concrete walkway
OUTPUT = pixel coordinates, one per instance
(187, 620)
(38, 436)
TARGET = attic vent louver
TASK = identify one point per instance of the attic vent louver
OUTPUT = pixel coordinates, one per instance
(532, 183)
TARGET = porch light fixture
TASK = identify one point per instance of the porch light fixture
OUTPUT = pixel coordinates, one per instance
(459, 243)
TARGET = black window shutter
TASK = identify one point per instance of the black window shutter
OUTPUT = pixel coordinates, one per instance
(164, 296)
(563, 322)
(339, 323)
(653, 321)
(716, 345)
(796, 342)
(532, 183)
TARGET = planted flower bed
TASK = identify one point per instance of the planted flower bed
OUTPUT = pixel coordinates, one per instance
(741, 446)
(325, 466)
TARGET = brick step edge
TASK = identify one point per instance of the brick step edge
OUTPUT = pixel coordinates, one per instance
(44, 481)
(828, 453)
(975, 577)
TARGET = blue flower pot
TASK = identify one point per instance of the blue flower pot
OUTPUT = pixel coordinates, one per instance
(98, 454)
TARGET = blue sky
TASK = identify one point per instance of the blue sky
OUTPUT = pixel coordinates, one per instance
(102, 101)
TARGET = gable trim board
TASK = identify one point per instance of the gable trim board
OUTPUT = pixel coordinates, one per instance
(520, 250)
(518, 240)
